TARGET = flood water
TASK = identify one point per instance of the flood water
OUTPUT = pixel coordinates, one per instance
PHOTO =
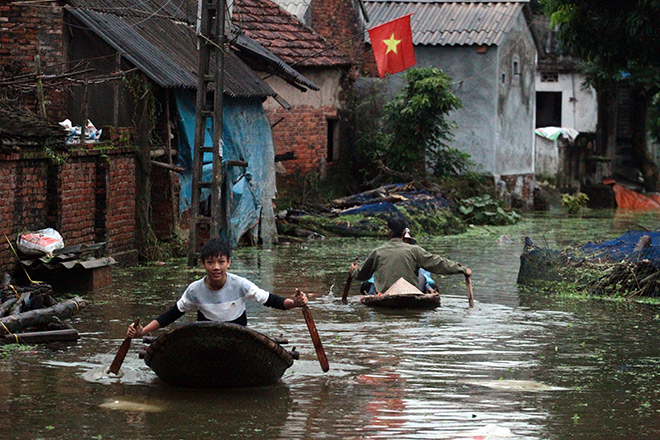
(520, 364)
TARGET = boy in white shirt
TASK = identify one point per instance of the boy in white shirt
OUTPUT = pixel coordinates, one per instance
(219, 296)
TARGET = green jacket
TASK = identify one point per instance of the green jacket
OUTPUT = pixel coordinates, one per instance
(397, 259)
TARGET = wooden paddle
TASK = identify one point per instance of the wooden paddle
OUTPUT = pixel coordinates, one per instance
(347, 287)
(121, 353)
(468, 283)
(320, 353)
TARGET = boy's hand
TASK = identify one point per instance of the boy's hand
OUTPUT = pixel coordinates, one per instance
(300, 299)
(354, 266)
(468, 271)
(134, 332)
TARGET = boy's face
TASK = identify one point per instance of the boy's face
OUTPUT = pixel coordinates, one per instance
(216, 269)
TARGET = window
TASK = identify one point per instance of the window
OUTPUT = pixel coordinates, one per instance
(549, 76)
(333, 140)
(516, 65)
(548, 109)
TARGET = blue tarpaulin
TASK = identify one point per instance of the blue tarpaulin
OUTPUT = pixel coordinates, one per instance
(246, 136)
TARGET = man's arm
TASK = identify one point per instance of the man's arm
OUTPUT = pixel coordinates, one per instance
(366, 270)
(437, 264)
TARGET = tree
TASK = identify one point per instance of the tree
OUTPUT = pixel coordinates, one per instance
(618, 41)
(412, 129)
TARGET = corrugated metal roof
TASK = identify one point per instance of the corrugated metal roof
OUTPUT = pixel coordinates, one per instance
(449, 23)
(158, 37)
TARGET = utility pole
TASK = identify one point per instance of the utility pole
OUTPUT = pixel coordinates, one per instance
(210, 81)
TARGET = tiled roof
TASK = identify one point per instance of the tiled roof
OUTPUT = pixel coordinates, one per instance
(449, 23)
(297, 8)
(278, 31)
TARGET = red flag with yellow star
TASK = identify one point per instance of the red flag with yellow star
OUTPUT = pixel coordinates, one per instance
(393, 46)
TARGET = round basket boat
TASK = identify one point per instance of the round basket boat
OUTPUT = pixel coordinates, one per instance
(403, 295)
(403, 300)
(214, 355)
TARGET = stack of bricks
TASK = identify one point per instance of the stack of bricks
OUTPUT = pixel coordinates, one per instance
(28, 30)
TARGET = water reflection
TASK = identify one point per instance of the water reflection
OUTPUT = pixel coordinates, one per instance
(520, 363)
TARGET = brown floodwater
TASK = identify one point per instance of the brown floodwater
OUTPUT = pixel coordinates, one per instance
(520, 364)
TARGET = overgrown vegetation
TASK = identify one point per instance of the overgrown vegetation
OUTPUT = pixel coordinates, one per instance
(411, 132)
(485, 210)
(571, 271)
(9, 349)
(574, 204)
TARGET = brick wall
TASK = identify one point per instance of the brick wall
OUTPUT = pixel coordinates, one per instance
(29, 181)
(164, 210)
(330, 15)
(521, 186)
(25, 31)
(77, 193)
(120, 205)
(303, 130)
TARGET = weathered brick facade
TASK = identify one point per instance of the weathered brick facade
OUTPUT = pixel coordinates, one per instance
(521, 186)
(88, 198)
(304, 130)
(164, 210)
(337, 21)
(25, 32)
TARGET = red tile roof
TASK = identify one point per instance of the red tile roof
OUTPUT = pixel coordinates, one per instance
(282, 34)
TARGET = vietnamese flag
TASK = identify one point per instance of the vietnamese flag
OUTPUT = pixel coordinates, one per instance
(393, 45)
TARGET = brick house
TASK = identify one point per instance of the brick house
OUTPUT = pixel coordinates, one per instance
(313, 126)
(86, 194)
(87, 49)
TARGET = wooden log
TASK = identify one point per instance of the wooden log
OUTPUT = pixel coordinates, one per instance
(289, 155)
(22, 303)
(40, 317)
(45, 336)
(7, 305)
(237, 163)
(167, 166)
(158, 152)
(372, 195)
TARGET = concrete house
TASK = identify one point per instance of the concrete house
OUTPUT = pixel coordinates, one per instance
(488, 50)
(564, 101)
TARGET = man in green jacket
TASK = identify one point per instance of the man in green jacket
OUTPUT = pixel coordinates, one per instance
(398, 259)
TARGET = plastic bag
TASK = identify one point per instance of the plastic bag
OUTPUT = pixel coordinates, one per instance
(41, 242)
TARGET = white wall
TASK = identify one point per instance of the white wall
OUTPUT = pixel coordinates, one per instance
(328, 80)
(516, 102)
(579, 107)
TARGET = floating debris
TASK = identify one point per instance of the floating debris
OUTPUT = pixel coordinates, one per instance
(128, 406)
(513, 385)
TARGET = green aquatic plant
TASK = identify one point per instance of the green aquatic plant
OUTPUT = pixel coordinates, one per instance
(9, 349)
(486, 210)
(574, 205)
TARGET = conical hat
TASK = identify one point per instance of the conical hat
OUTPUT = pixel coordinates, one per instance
(402, 287)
